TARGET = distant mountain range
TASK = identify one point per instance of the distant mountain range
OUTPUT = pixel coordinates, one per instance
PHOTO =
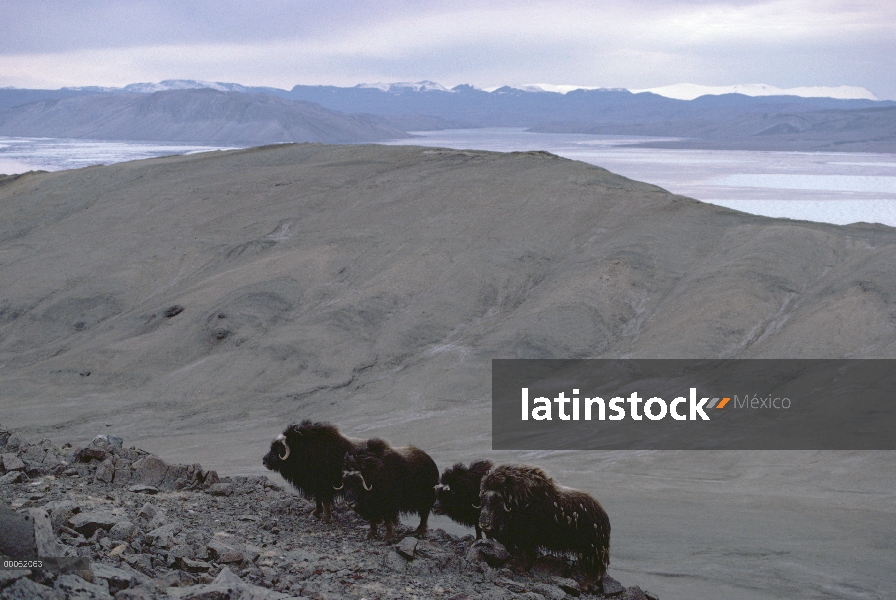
(755, 117)
(679, 91)
(191, 115)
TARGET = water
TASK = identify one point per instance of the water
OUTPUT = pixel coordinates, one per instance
(19, 155)
(829, 187)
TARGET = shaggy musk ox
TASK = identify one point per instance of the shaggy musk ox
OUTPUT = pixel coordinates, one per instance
(457, 494)
(310, 457)
(381, 482)
(525, 510)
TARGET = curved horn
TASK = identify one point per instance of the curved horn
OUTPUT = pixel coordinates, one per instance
(476, 507)
(504, 504)
(340, 487)
(364, 483)
(282, 438)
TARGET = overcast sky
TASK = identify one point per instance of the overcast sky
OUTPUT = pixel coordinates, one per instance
(627, 43)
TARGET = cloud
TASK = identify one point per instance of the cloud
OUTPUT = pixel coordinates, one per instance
(637, 44)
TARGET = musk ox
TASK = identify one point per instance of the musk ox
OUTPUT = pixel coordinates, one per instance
(310, 457)
(380, 482)
(525, 510)
(457, 494)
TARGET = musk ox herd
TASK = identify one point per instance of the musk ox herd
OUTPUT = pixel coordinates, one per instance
(519, 506)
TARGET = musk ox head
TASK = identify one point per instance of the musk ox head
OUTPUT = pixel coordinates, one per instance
(457, 494)
(359, 473)
(278, 454)
(506, 490)
(307, 449)
(494, 512)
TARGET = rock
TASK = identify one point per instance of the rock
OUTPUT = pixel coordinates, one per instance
(149, 470)
(16, 534)
(111, 440)
(570, 586)
(88, 523)
(118, 551)
(144, 489)
(224, 554)
(394, 562)
(549, 591)
(612, 587)
(148, 511)
(44, 538)
(141, 562)
(491, 552)
(193, 566)
(13, 477)
(633, 593)
(177, 478)
(105, 472)
(76, 588)
(33, 454)
(406, 547)
(7, 576)
(25, 589)
(138, 593)
(122, 530)
(122, 473)
(117, 579)
(177, 552)
(86, 455)
(221, 489)
(227, 585)
(160, 535)
(11, 462)
(211, 478)
(61, 511)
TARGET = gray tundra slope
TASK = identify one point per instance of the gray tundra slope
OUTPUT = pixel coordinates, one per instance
(371, 286)
(201, 115)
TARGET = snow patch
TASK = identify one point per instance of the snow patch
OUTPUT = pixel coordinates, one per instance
(405, 86)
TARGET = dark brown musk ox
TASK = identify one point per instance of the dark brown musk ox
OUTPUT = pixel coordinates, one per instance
(310, 457)
(380, 483)
(457, 494)
(526, 510)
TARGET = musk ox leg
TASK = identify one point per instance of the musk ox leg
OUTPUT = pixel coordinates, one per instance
(478, 532)
(390, 534)
(373, 527)
(424, 520)
(318, 509)
(327, 516)
(594, 572)
(524, 558)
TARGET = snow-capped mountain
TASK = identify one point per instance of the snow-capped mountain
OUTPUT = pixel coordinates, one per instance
(183, 84)
(168, 84)
(689, 91)
(557, 88)
(406, 86)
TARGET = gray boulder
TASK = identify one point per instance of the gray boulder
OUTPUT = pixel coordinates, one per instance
(88, 523)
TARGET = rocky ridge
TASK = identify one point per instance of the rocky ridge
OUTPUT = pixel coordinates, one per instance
(157, 531)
